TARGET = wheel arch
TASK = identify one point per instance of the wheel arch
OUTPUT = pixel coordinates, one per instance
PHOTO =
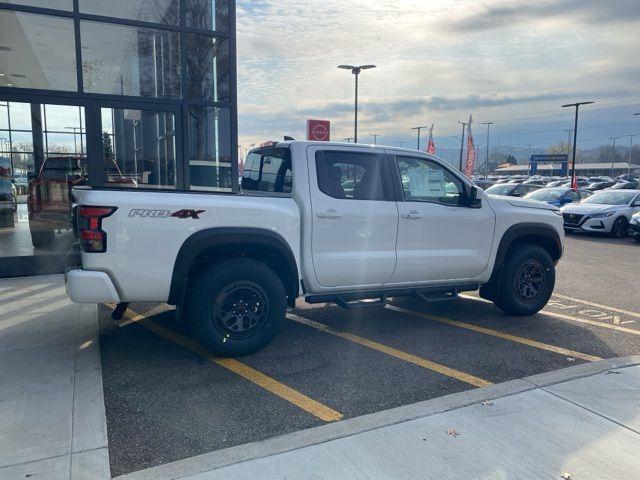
(213, 244)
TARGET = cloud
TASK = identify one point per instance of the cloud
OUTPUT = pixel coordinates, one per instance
(503, 14)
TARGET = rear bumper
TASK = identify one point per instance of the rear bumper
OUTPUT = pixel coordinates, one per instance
(84, 286)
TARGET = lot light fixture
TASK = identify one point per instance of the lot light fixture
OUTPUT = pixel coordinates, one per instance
(356, 70)
(575, 137)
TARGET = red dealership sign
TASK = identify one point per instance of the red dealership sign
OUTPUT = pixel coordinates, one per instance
(319, 130)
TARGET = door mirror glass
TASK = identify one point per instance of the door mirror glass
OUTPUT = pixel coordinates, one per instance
(473, 197)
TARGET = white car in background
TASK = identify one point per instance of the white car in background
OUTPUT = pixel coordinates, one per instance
(607, 211)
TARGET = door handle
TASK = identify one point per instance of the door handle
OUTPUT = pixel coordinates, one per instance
(412, 215)
(331, 213)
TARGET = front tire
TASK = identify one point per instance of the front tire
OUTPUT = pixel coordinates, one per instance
(619, 228)
(236, 307)
(528, 280)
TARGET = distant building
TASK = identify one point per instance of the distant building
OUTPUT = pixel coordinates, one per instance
(582, 169)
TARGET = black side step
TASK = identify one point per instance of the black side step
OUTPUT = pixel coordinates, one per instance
(437, 297)
(353, 304)
(351, 300)
(118, 312)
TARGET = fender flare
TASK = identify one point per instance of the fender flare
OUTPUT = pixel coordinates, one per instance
(237, 236)
(520, 230)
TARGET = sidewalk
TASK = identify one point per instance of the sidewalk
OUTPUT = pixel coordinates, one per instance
(583, 421)
(52, 422)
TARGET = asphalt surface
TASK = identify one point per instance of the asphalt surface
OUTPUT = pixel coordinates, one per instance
(166, 402)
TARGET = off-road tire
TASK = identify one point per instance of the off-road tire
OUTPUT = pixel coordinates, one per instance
(214, 290)
(521, 259)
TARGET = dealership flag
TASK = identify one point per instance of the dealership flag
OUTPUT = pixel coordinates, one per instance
(431, 147)
(471, 151)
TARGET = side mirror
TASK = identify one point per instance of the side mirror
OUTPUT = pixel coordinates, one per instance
(474, 198)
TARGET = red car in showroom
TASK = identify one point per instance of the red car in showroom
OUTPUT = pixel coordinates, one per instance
(49, 200)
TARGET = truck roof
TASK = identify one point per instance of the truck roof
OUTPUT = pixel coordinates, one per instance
(287, 143)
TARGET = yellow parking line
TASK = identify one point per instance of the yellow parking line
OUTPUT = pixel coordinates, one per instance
(496, 333)
(407, 357)
(571, 318)
(598, 305)
(283, 391)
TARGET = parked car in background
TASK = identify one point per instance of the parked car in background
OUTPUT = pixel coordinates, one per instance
(538, 181)
(626, 185)
(49, 200)
(556, 183)
(607, 211)
(512, 189)
(600, 185)
(626, 177)
(634, 227)
(558, 196)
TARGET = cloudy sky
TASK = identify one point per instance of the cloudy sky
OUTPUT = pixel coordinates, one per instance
(513, 62)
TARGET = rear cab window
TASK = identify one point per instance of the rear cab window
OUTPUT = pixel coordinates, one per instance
(268, 170)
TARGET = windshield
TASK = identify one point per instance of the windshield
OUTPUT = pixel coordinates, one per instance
(501, 189)
(547, 194)
(611, 198)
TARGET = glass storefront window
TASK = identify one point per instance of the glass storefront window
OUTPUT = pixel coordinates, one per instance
(37, 51)
(55, 4)
(208, 14)
(155, 11)
(208, 68)
(139, 148)
(123, 60)
(35, 216)
(210, 149)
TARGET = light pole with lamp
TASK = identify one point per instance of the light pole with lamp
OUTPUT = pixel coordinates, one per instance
(613, 156)
(355, 70)
(75, 142)
(464, 124)
(575, 138)
(419, 129)
(486, 162)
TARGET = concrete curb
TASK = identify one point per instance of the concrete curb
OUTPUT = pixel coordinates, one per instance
(354, 426)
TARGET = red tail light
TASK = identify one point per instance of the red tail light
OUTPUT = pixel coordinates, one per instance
(92, 238)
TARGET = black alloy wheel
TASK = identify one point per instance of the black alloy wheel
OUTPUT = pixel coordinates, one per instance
(240, 310)
(530, 280)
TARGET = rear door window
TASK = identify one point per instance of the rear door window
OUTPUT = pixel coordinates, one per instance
(350, 175)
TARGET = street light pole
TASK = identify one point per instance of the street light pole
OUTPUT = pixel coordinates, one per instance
(355, 70)
(568, 140)
(575, 137)
(464, 124)
(486, 162)
(419, 129)
(375, 137)
(630, 148)
(613, 156)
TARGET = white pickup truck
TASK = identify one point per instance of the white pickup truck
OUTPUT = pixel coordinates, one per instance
(325, 222)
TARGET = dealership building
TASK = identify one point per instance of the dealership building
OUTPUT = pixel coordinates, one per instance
(121, 94)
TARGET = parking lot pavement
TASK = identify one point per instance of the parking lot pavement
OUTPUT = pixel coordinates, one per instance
(168, 399)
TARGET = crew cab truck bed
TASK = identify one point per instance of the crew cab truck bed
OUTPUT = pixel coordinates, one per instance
(321, 221)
